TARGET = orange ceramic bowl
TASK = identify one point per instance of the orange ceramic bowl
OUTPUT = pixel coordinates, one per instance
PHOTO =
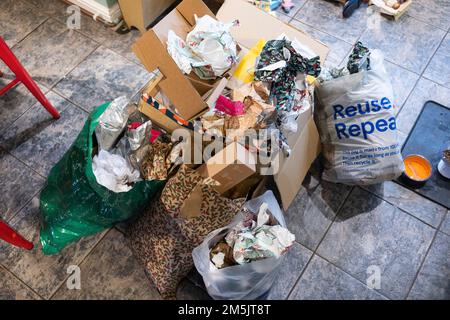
(417, 168)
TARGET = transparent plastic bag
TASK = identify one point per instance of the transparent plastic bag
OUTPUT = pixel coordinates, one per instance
(239, 282)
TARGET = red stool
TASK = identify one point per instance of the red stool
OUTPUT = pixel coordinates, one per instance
(11, 236)
(23, 76)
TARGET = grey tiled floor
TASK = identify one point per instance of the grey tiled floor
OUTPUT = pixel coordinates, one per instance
(341, 231)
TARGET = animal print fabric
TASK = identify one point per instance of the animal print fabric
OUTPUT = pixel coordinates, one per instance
(163, 241)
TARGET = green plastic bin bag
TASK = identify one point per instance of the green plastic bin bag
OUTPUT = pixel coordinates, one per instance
(73, 205)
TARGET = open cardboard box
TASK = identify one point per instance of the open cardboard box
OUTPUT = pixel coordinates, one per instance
(186, 92)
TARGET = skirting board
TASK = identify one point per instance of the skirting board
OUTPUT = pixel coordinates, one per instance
(110, 15)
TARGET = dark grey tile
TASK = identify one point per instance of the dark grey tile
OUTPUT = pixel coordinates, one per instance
(52, 50)
(434, 12)
(295, 261)
(410, 202)
(445, 227)
(314, 209)
(327, 16)
(111, 272)
(17, 19)
(18, 185)
(339, 49)
(433, 281)
(371, 232)
(102, 77)
(99, 32)
(323, 281)
(424, 91)
(403, 82)
(439, 68)
(16, 101)
(418, 41)
(39, 140)
(52, 8)
(122, 44)
(42, 273)
(283, 17)
(189, 291)
(13, 289)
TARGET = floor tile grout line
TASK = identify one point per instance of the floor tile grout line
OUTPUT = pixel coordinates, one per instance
(426, 254)
(299, 9)
(429, 62)
(352, 276)
(83, 259)
(422, 263)
(425, 22)
(76, 66)
(23, 283)
(422, 73)
(29, 33)
(394, 205)
(317, 246)
(102, 44)
(325, 32)
(25, 164)
(27, 203)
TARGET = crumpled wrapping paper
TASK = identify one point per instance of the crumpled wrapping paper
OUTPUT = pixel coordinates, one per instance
(254, 240)
(358, 60)
(114, 172)
(209, 49)
(111, 123)
(137, 136)
(282, 65)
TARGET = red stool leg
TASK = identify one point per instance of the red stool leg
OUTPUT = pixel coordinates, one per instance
(23, 76)
(11, 236)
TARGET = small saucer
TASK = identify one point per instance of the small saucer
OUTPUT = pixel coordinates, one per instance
(444, 169)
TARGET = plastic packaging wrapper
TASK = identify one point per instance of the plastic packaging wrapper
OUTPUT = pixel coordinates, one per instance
(212, 41)
(239, 282)
(209, 49)
(114, 172)
(245, 70)
(112, 123)
(74, 205)
(137, 136)
(182, 54)
(232, 108)
(356, 118)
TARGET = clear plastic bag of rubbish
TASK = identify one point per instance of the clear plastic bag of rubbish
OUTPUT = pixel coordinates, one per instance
(239, 282)
(111, 123)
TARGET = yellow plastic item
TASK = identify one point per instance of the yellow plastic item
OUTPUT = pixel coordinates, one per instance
(245, 71)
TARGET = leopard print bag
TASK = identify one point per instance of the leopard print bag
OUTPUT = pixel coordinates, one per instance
(163, 241)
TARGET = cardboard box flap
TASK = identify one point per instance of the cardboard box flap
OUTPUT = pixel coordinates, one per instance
(175, 21)
(293, 170)
(256, 24)
(190, 7)
(153, 55)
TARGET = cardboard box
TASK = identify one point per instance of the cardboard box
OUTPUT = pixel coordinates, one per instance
(229, 167)
(141, 13)
(186, 93)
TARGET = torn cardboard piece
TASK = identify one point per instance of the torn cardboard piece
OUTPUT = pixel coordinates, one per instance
(229, 167)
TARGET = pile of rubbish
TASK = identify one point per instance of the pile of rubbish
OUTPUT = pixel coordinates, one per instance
(130, 150)
(139, 158)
